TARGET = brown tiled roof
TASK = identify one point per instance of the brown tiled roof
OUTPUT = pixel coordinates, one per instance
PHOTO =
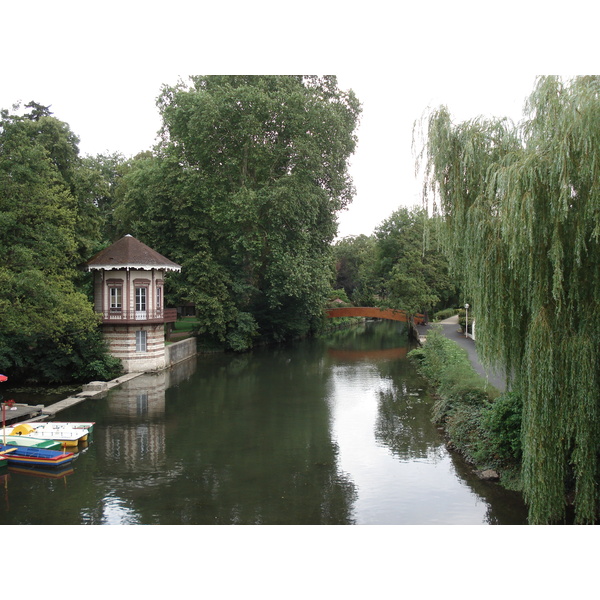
(130, 253)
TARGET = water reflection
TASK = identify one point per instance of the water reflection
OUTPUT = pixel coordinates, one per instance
(238, 440)
(332, 431)
(260, 449)
(379, 400)
(404, 423)
(136, 441)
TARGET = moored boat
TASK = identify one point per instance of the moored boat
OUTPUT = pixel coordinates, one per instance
(72, 424)
(58, 432)
(29, 442)
(37, 457)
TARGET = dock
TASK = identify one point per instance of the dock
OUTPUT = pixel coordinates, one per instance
(22, 413)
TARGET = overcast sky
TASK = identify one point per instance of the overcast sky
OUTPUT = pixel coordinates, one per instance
(101, 66)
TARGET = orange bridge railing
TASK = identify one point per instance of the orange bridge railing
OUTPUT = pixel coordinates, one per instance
(375, 313)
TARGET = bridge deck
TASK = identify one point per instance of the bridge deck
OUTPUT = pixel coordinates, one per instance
(374, 313)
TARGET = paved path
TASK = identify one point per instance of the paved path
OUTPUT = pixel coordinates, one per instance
(452, 331)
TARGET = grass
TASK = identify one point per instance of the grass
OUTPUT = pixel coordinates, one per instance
(182, 329)
(186, 324)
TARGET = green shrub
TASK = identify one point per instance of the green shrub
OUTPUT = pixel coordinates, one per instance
(341, 295)
(465, 431)
(440, 354)
(37, 360)
(445, 314)
(502, 420)
(460, 386)
(417, 355)
(241, 332)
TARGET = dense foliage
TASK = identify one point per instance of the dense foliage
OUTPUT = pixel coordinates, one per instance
(355, 258)
(48, 227)
(243, 192)
(521, 214)
(411, 269)
(399, 266)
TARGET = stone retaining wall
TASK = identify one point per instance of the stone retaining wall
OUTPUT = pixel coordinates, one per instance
(180, 351)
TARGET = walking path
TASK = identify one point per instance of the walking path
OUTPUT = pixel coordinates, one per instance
(452, 331)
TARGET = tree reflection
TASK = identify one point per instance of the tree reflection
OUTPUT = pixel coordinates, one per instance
(404, 409)
(253, 439)
(252, 436)
(404, 423)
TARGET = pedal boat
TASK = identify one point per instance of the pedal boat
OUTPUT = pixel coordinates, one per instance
(35, 457)
(57, 432)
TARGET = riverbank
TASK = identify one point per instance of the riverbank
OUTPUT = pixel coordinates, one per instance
(451, 330)
(480, 419)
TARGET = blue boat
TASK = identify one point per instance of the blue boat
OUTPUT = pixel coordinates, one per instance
(35, 457)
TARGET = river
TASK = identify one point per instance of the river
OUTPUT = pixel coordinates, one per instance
(334, 430)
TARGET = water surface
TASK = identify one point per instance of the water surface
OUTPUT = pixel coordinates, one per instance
(325, 431)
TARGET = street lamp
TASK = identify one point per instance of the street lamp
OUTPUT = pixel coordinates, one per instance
(467, 320)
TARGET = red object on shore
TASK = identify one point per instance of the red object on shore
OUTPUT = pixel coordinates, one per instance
(3, 377)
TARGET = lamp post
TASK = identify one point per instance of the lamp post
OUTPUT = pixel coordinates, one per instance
(466, 320)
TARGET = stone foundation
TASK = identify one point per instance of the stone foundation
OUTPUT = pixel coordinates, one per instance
(121, 342)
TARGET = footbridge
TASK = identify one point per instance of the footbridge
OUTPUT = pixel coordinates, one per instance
(371, 312)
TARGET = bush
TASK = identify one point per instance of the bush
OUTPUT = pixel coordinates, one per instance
(418, 355)
(438, 356)
(241, 332)
(40, 360)
(503, 422)
(103, 369)
(341, 295)
(483, 427)
(465, 431)
(460, 386)
(445, 314)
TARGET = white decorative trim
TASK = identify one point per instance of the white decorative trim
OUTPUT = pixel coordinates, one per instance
(133, 267)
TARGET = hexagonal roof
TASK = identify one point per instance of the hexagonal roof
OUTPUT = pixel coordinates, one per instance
(130, 253)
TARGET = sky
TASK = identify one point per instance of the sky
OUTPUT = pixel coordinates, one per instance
(101, 66)
(383, 166)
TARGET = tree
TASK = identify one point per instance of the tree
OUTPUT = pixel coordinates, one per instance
(355, 257)
(521, 215)
(242, 192)
(100, 178)
(45, 224)
(412, 271)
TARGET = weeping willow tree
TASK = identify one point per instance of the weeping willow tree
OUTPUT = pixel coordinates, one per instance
(521, 217)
